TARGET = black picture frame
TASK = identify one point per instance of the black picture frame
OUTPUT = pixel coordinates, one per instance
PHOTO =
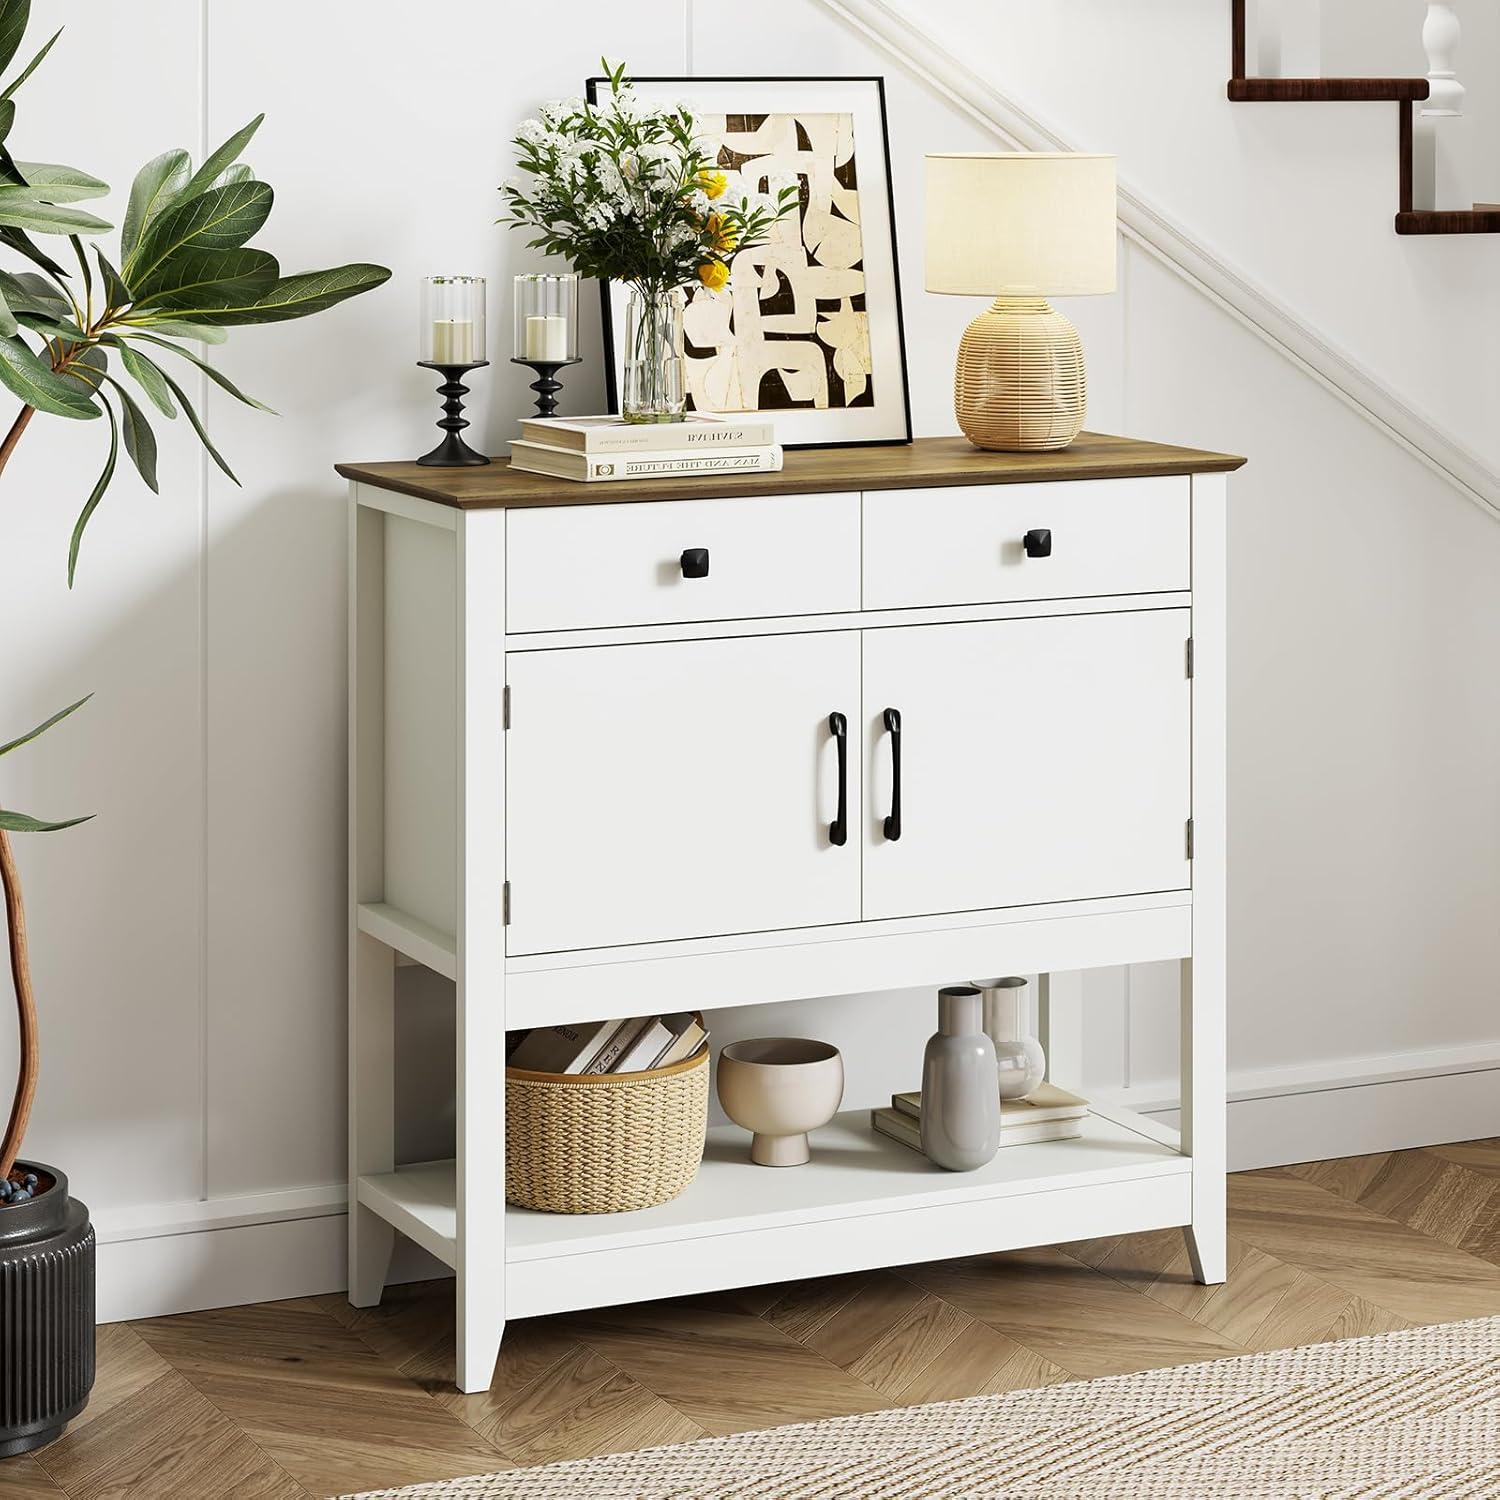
(685, 86)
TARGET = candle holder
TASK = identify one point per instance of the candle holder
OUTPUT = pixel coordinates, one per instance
(546, 331)
(452, 452)
(451, 341)
(546, 385)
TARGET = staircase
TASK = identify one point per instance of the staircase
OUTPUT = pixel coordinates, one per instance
(1404, 92)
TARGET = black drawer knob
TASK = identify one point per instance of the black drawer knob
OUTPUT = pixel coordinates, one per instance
(695, 562)
(1038, 542)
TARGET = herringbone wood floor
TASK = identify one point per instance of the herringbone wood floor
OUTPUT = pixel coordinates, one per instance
(314, 1398)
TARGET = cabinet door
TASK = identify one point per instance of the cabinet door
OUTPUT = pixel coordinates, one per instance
(679, 790)
(1041, 760)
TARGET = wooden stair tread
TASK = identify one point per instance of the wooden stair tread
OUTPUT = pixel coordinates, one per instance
(1325, 90)
(1449, 221)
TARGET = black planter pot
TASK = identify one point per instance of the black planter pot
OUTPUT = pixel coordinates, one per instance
(46, 1314)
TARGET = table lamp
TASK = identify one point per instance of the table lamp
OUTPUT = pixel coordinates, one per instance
(1019, 227)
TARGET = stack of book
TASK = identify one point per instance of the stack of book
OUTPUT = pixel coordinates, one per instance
(592, 449)
(1050, 1114)
(629, 1045)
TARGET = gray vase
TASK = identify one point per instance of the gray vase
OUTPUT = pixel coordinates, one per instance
(960, 1103)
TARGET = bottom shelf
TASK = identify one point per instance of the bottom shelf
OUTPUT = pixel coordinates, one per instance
(863, 1201)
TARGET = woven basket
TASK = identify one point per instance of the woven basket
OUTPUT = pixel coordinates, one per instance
(604, 1144)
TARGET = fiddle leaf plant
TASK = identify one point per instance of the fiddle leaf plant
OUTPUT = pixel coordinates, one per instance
(102, 338)
(185, 270)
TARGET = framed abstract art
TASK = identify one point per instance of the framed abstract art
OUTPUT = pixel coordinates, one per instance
(808, 331)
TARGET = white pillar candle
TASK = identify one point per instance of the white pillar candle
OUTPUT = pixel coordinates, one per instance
(547, 338)
(453, 341)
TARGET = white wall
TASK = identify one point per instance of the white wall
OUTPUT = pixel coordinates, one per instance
(189, 942)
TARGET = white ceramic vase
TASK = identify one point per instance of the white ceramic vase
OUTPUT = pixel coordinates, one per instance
(1019, 1058)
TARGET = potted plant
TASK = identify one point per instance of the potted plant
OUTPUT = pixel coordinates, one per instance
(630, 193)
(184, 270)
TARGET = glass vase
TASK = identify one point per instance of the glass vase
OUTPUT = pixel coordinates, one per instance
(653, 384)
(1019, 1057)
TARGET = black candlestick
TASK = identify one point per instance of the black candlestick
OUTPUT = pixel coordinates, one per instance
(452, 452)
(546, 385)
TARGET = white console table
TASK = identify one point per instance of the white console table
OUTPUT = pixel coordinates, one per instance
(595, 768)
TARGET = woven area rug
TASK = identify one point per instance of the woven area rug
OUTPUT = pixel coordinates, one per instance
(1396, 1415)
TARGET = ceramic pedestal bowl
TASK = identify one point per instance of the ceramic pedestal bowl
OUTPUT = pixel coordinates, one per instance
(779, 1088)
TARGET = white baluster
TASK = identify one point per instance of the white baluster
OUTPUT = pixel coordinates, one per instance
(1444, 146)
(1440, 37)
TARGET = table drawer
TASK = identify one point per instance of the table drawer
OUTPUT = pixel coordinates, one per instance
(580, 567)
(968, 545)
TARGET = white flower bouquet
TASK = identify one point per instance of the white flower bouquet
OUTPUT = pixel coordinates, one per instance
(627, 192)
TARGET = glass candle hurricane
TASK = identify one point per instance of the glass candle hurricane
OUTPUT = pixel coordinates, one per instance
(452, 320)
(546, 319)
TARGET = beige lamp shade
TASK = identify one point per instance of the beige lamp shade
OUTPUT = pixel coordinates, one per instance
(1020, 227)
(1020, 224)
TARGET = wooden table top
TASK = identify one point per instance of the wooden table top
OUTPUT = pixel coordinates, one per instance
(925, 463)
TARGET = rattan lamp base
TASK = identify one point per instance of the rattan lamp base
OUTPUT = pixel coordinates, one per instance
(1020, 385)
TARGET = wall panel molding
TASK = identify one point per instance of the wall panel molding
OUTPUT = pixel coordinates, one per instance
(1349, 1107)
(157, 1259)
(1156, 233)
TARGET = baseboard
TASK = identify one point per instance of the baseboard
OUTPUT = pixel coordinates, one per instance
(158, 1259)
(164, 1258)
(1353, 1107)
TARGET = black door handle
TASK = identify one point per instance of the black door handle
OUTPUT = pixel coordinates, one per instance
(695, 562)
(838, 830)
(893, 728)
(1038, 542)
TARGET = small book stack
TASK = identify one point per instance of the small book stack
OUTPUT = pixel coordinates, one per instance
(630, 1045)
(595, 449)
(1050, 1114)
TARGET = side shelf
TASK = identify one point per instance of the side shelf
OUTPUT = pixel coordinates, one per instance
(421, 1201)
(410, 935)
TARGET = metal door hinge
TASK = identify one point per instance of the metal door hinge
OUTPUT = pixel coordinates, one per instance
(1189, 845)
(505, 709)
(1189, 672)
(505, 905)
